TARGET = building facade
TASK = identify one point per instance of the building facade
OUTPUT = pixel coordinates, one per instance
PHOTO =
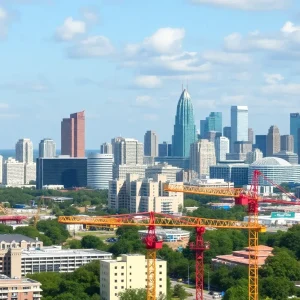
(13, 172)
(287, 143)
(170, 172)
(222, 145)
(129, 272)
(253, 156)
(47, 148)
(184, 128)
(150, 144)
(29, 173)
(106, 148)
(291, 157)
(24, 151)
(99, 170)
(261, 143)
(251, 135)
(273, 140)
(294, 126)
(239, 124)
(67, 171)
(120, 171)
(163, 149)
(73, 135)
(212, 123)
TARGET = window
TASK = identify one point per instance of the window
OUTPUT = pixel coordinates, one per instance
(122, 280)
(122, 287)
(160, 272)
(160, 266)
(129, 280)
(160, 286)
(129, 267)
(116, 274)
(116, 287)
(116, 280)
(122, 274)
(129, 273)
(116, 267)
(160, 279)
(122, 267)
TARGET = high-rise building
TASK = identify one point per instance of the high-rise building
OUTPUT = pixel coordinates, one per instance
(253, 156)
(184, 128)
(13, 172)
(99, 170)
(291, 157)
(294, 126)
(287, 143)
(150, 144)
(250, 135)
(261, 143)
(24, 151)
(1, 167)
(163, 149)
(73, 135)
(106, 148)
(212, 123)
(227, 133)
(213, 135)
(239, 124)
(202, 156)
(29, 173)
(222, 148)
(47, 148)
(273, 140)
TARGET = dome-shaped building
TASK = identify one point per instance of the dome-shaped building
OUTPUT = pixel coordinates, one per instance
(276, 169)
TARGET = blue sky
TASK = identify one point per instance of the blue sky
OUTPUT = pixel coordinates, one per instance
(124, 62)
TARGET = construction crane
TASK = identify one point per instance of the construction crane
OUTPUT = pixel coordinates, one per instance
(152, 219)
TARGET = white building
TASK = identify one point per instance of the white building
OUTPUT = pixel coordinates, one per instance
(99, 170)
(24, 151)
(202, 156)
(150, 144)
(129, 272)
(253, 156)
(222, 145)
(47, 148)
(1, 168)
(169, 235)
(13, 172)
(106, 148)
(30, 172)
(239, 124)
(169, 171)
(120, 171)
(221, 183)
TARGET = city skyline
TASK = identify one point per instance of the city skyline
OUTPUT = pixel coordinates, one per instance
(136, 78)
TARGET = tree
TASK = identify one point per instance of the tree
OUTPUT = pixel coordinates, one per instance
(74, 244)
(180, 292)
(133, 294)
(238, 291)
(70, 211)
(277, 288)
(92, 242)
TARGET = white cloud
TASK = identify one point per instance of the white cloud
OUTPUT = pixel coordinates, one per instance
(233, 99)
(4, 105)
(148, 82)
(143, 100)
(93, 46)
(246, 4)
(4, 20)
(163, 41)
(220, 57)
(90, 15)
(282, 89)
(273, 78)
(289, 27)
(70, 29)
(150, 117)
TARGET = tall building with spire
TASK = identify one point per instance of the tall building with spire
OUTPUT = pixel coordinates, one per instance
(184, 128)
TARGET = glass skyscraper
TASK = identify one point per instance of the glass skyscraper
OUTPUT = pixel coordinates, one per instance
(294, 126)
(184, 128)
(239, 124)
(212, 123)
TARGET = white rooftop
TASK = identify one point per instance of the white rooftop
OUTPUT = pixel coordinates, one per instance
(271, 161)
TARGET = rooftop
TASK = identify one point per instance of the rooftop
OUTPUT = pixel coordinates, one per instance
(271, 161)
(15, 238)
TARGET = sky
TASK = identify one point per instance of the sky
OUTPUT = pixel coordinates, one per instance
(125, 61)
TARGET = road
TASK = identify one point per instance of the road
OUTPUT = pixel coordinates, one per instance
(192, 291)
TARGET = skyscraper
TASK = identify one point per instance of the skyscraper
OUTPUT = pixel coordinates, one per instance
(24, 151)
(150, 144)
(273, 140)
(250, 135)
(106, 148)
(73, 135)
(239, 124)
(212, 123)
(253, 156)
(163, 149)
(222, 148)
(294, 126)
(184, 128)
(227, 133)
(47, 148)
(287, 143)
(261, 143)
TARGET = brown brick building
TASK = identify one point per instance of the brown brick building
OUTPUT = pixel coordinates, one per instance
(73, 135)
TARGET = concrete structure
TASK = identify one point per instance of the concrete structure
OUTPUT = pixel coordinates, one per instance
(273, 140)
(142, 195)
(212, 123)
(1, 168)
(99, 170)
(202, 156)
(73, 135)
(222, 146)
(294, 127)
(150, 144)
(164, 149)
(239, 124)
(106, 148)
(169, 235)
(13, 172)
(24, 151)
(213, 135)
(253, 156)
(47, 148)
(276, 169)
(279, 218)
(250, 136)
(169, 171)
(120, 171)
(129, 272)
(220, 183)
(227, 133)
(179, 162)
(261, 143)
(291, 157)
(149, 160)
(241, 257)
(184, 128)
(29, 172)
(19, 289)
(287, 143)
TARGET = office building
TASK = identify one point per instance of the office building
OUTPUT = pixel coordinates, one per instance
(148, 160)
(287, 143)
(253, 156)
(163, 149)
(250, 136)
(227, 132)
(47, 148)
(120, 171)
(106, 148)
(213, 135)
(212, 123)
(13, 172)
(202, 156)
(261, 143)
(1, 168)
(67, 171)
(24, 151)
(222, 148)
(73, 135)
(294, 126)
(239, 124)
(275, 169)
(179, 162)
(291, 157)
(143, 195)
(99, 170)
(129, 272)
(169, 171)
(273, 140)
(29, 173)
(19, 288)
(184, 128)
(150, 144)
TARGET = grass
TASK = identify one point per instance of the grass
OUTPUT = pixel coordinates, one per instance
(103, 235)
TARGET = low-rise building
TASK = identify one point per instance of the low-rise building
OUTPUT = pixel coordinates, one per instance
(129, 272)
(169, 235)
(17, 288)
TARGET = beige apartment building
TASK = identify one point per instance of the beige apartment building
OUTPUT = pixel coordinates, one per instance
(129, 272)
(19, 289)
